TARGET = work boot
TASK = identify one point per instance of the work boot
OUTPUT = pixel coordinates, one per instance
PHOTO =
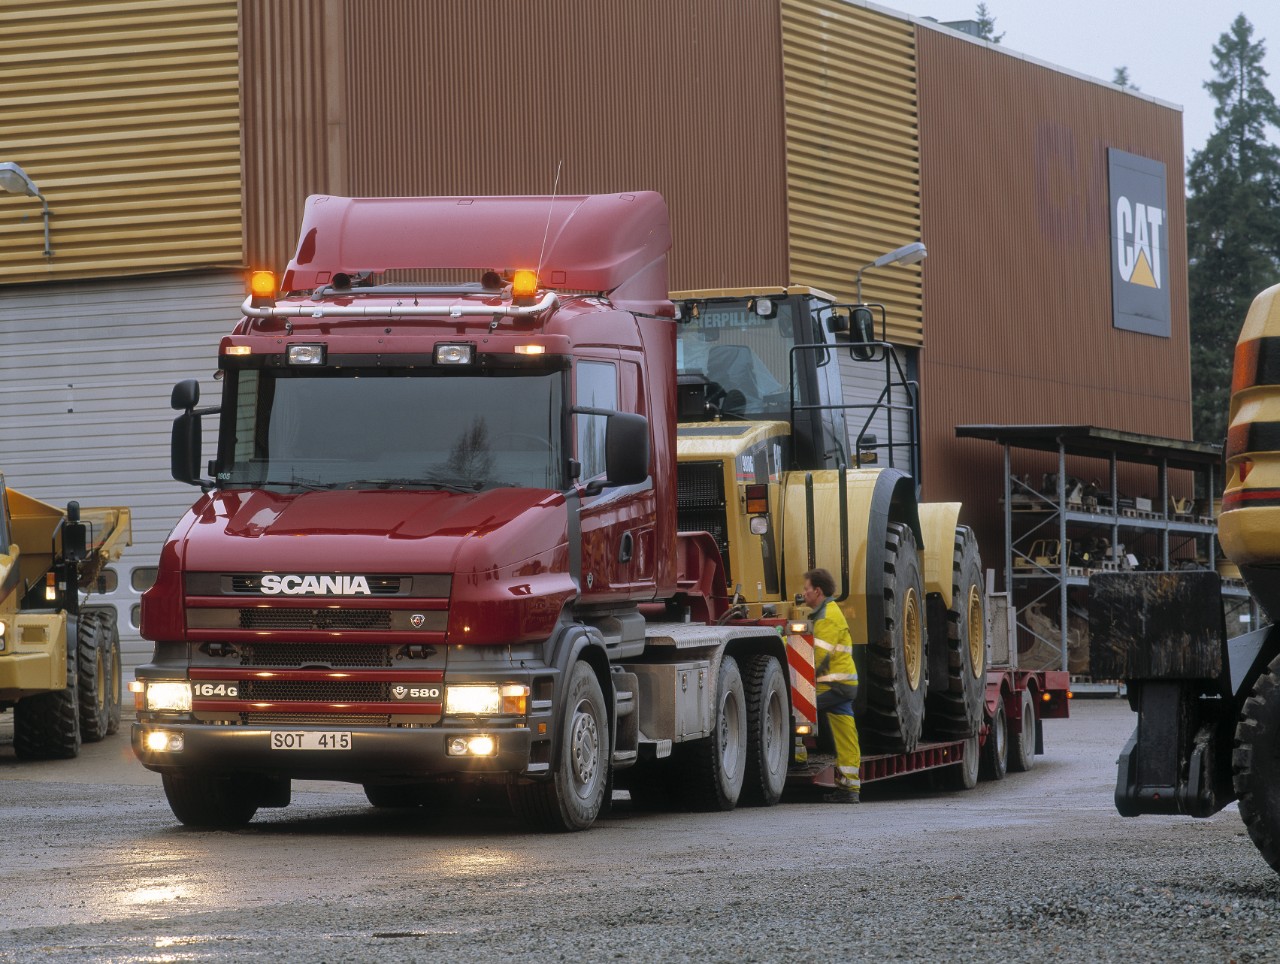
(841, 796)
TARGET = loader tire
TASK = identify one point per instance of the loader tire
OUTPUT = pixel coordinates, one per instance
(98, 676)
(768, 731)
(708, 773)
(572, 798)
(955, 710)
(208, 802)
(896, 656)
(47, 726)
(1255, 764)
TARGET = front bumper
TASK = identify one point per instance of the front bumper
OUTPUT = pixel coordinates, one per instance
(374, 753)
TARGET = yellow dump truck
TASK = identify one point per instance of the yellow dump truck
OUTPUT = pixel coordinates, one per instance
(59, 658)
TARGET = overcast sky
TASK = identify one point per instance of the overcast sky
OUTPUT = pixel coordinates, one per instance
(1167, 45)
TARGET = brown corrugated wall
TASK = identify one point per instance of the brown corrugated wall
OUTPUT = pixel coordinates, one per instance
(1017, 288)
(399, 97)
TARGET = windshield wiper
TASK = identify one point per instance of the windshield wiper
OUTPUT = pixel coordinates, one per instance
(312, 484)
(450, 485)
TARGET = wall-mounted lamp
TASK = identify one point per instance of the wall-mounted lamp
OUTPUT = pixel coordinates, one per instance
(14, 180)
(912, 253)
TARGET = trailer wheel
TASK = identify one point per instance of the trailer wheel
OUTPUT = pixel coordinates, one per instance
(572, 798)
(1023, 757)
(1255, 764)
(768, 732)
(47, 726)
(93, 664)
(955, 711)
(964, 775)
(710, 772)
(208, 802)
(896, 656)
(995, 752)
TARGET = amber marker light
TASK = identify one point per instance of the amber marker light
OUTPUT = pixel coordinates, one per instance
(262, 284)
(530, 350)
(524, 284)
(238, 350)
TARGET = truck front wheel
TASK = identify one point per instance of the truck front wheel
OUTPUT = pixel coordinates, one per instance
(1255, 764)
(571, 800)
(209, 802)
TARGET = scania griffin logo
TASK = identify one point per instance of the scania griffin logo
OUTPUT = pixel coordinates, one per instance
(277, 585)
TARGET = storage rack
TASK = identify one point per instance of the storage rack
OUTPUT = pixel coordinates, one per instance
(1052, 516)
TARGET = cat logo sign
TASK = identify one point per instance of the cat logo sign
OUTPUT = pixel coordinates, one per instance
(1139, 246)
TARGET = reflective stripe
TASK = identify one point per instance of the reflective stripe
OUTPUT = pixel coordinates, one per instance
(831, 647)
(837, 677)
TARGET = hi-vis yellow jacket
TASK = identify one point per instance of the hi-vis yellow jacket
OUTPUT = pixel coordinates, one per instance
(833, 651)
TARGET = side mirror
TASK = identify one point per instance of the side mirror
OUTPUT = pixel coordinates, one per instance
(186, 395)
(626, 449)
(862, 332)
(75, 541)
(184, 448)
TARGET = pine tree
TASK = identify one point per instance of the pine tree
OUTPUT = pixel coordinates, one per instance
(1233, 220)
(987, 25)
(1121, 79)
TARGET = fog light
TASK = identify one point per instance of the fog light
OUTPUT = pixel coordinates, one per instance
(457, 747)
(481, 746)
(161, 741)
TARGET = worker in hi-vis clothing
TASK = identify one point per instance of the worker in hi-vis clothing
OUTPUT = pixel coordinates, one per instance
(837, 681)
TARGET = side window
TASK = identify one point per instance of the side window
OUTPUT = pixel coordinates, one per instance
(597, 387)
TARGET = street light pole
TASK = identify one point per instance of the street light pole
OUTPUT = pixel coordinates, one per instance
(14, 180)
(907, 254)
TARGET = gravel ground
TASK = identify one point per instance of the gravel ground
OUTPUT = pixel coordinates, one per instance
(1038, 866)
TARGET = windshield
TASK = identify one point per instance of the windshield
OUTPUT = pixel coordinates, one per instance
(741, 354)
(391, 429)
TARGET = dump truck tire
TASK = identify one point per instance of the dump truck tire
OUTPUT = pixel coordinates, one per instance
(896, 656)
(1023, 757)
(1255, 765)
(954, 711)
(768, 731)
(208, 802)
(995, 752)
(709, 772)
(47, 726)
(115, 689)
(572, 798)
(93, 664)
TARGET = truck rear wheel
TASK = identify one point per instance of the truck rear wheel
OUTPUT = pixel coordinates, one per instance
(964, 775)
(895, 682)
(572, 798)
(98, 672)
(209, 802)
(1023, 757)
(955, 710)
(768, 731)
(47, 726)
(1255, 764)
(710, 771)
(995, 752)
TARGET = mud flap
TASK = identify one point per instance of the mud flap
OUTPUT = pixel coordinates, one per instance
(1164, 635)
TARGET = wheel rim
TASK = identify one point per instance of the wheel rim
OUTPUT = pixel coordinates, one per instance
(730, 733)
(912, 643)
(977, 644)
(774, 738)
(584, 748)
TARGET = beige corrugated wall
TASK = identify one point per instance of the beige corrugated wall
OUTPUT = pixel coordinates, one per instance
(126, 116)
(853, 157)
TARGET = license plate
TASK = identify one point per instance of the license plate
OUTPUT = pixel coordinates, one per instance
(310, 740)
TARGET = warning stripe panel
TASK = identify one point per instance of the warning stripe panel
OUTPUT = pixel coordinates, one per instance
(803, 693)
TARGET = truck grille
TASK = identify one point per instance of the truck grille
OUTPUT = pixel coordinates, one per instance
(321, 619)
(328, 655)
(700, 505)
(321, 719)
(314, 691)
(250, 583)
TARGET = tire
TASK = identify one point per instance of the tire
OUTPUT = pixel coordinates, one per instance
(47, 726)
(995, 752)
(1255, 764)
(93, 665)
(1023, 755)
(768, 732)
(964, 775)
(115, 687)
(896, 652)
(955, 710)
(208, 802)
(572, 798)
(709, 772)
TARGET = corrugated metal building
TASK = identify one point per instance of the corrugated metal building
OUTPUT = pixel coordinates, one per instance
(795, 141)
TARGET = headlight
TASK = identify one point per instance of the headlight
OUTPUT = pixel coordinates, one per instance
(472, 700)
(174, 697)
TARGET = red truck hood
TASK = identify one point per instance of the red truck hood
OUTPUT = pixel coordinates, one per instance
(372, 531)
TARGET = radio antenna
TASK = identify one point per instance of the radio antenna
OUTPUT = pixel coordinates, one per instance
(555, 187)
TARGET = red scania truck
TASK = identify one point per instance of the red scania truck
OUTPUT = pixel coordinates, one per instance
(489, 506)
